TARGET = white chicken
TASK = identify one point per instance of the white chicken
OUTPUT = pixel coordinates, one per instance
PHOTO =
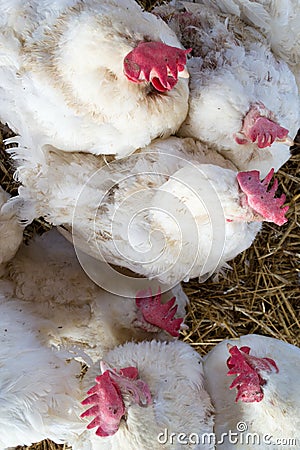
(38, 386)
(48, 278)
(98, 77)
(171, 211)
(178, 413)
(265, 410)
(158, 390)
(45, 299)
(243, 100)
(279, 20)
(11, 231)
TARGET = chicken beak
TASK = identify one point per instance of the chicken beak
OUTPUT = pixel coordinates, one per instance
(184, 73)
(287, 140)
(104, 367)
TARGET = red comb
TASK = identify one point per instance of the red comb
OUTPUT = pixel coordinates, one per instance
(108, 407)
(260, 199)
(159, 314)
(249, 381)
(155, 62)
(106, 398)
(259, 127)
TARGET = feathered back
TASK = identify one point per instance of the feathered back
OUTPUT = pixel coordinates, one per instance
(38, 386)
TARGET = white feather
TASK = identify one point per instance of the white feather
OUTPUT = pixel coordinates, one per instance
(279, 20)
(11, 231)
(77, 313)
(233, 68)
(61, 76)
(109, 207)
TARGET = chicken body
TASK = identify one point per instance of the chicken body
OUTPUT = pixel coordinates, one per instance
(47, 277)
(278, 20)
(42, 388)
(180, 404)
(62, 74)
(11, 231)
(122, 212)
(37, 383)
(274, 419)
(52, 317)
(242, 97)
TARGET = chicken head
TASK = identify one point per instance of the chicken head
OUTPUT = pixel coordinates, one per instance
(106, 397)
(152, 314)
(260, 199)
(258, 127)
(249, 369)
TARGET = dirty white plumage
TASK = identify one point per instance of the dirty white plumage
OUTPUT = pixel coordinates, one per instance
(11, 231)
(233, 72)
(48, 278)
(61, 73)
(52, 315)
(38, 386)
(180, 404)
(279, 20)
(121, 212)
(41, 389)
